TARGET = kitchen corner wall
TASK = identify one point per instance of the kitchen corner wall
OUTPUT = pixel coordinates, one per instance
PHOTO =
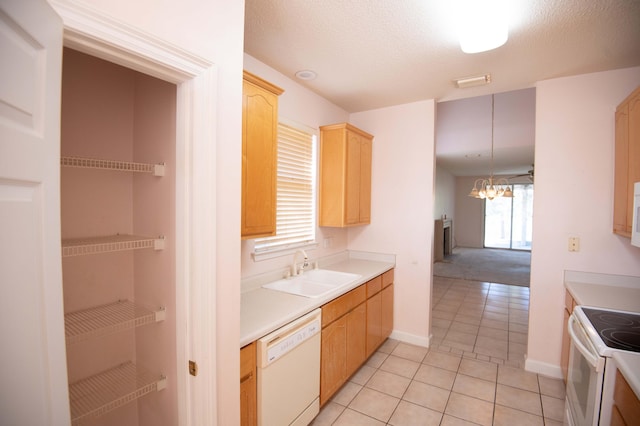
(402, 205)
(574, 159)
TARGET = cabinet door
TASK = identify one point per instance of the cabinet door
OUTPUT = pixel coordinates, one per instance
(333, 366)
(374, 322)
(387, 312)
(259, 161)
(566, 341)
(626, 400)
(364, 203)
(353, 179)
(33, 355)
(621, 182)
(248, 386)
(616, 417)
(634, 154)
(569, 303)
(356, 338)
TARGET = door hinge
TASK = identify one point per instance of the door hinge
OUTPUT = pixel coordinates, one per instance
(193, 368)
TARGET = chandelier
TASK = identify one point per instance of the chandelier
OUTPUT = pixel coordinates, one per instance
(491, 187)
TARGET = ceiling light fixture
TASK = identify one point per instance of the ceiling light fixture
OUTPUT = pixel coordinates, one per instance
(473, 81)
(491, 188)
(482, 25)
(306, 75)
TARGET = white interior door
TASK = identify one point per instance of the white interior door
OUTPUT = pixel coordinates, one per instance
(33, 372)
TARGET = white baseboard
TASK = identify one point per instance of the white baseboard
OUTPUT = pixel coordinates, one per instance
(410, 338)
(543, 368)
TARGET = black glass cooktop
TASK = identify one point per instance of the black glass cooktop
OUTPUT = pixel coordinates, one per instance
(618, 330)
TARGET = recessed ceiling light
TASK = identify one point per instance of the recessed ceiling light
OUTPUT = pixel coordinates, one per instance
(478, 80)
(306, 75)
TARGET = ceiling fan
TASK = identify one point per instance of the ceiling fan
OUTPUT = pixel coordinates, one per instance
(529, 174)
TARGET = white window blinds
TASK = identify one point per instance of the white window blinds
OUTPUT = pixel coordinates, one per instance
(295, 211)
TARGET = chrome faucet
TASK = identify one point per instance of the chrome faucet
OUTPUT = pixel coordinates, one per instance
(305, 264)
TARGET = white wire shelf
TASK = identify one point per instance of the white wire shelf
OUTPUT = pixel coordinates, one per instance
(111, 243)
(111, 389)
(107, 319)
(121, 166)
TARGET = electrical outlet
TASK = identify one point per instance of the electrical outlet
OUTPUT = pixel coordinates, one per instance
(327, 242)
(574, 244)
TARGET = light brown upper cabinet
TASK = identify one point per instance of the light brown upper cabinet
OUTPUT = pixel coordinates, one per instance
(259, 156)
(627, 162)
(345, 176)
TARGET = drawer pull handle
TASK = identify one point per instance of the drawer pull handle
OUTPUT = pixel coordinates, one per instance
(246, 377)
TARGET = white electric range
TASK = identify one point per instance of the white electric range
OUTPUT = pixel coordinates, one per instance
(596, 334)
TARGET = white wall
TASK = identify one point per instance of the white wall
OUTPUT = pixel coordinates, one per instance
(573, 197)
(302, 106)
(402, 204)
(214, 30)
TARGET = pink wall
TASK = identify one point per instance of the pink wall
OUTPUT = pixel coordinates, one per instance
(402, 207)
(574, 185)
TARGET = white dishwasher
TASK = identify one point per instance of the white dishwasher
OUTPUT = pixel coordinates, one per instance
(289, 373)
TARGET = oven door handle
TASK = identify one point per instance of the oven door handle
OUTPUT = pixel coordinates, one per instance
(591, 356)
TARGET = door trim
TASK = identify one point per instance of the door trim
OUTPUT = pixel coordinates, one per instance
(89, 31)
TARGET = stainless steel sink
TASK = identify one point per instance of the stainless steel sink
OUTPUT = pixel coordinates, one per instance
(313, 283)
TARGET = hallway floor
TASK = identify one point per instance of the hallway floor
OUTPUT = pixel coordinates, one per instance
(472, 374)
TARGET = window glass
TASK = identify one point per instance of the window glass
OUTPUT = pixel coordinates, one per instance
(296, 182)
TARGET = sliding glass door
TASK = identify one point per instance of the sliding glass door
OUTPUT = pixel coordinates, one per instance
(507, 221)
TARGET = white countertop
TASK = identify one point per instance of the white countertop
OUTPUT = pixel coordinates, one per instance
(602, 296)
(263, 311)
(618, 292)
(629, 365)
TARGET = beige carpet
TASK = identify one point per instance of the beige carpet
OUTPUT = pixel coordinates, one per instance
(491, 265)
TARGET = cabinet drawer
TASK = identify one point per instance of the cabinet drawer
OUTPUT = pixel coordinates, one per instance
(335, 309)
(343, 304)
(387, 278)
(626, 400)
(374, 286)
(358, 295)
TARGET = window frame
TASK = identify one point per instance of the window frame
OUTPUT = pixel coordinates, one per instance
(262, 250)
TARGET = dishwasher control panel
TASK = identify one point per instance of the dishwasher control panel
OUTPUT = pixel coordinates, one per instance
(285, 339)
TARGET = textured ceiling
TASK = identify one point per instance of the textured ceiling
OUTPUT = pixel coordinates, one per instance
(375, 53)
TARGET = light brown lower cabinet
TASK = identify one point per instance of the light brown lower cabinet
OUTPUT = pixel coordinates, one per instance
(343, 341)
(354, 326)
(626, 406)
(379, 310)
(374, 323)
(356, 338)
(387, 311)
(248, 386)
(569, 304)
(333, 364)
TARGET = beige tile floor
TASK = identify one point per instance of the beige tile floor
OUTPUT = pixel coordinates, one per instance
(471, 375)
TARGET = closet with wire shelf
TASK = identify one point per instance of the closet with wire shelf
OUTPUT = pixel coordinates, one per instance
(118, 251)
